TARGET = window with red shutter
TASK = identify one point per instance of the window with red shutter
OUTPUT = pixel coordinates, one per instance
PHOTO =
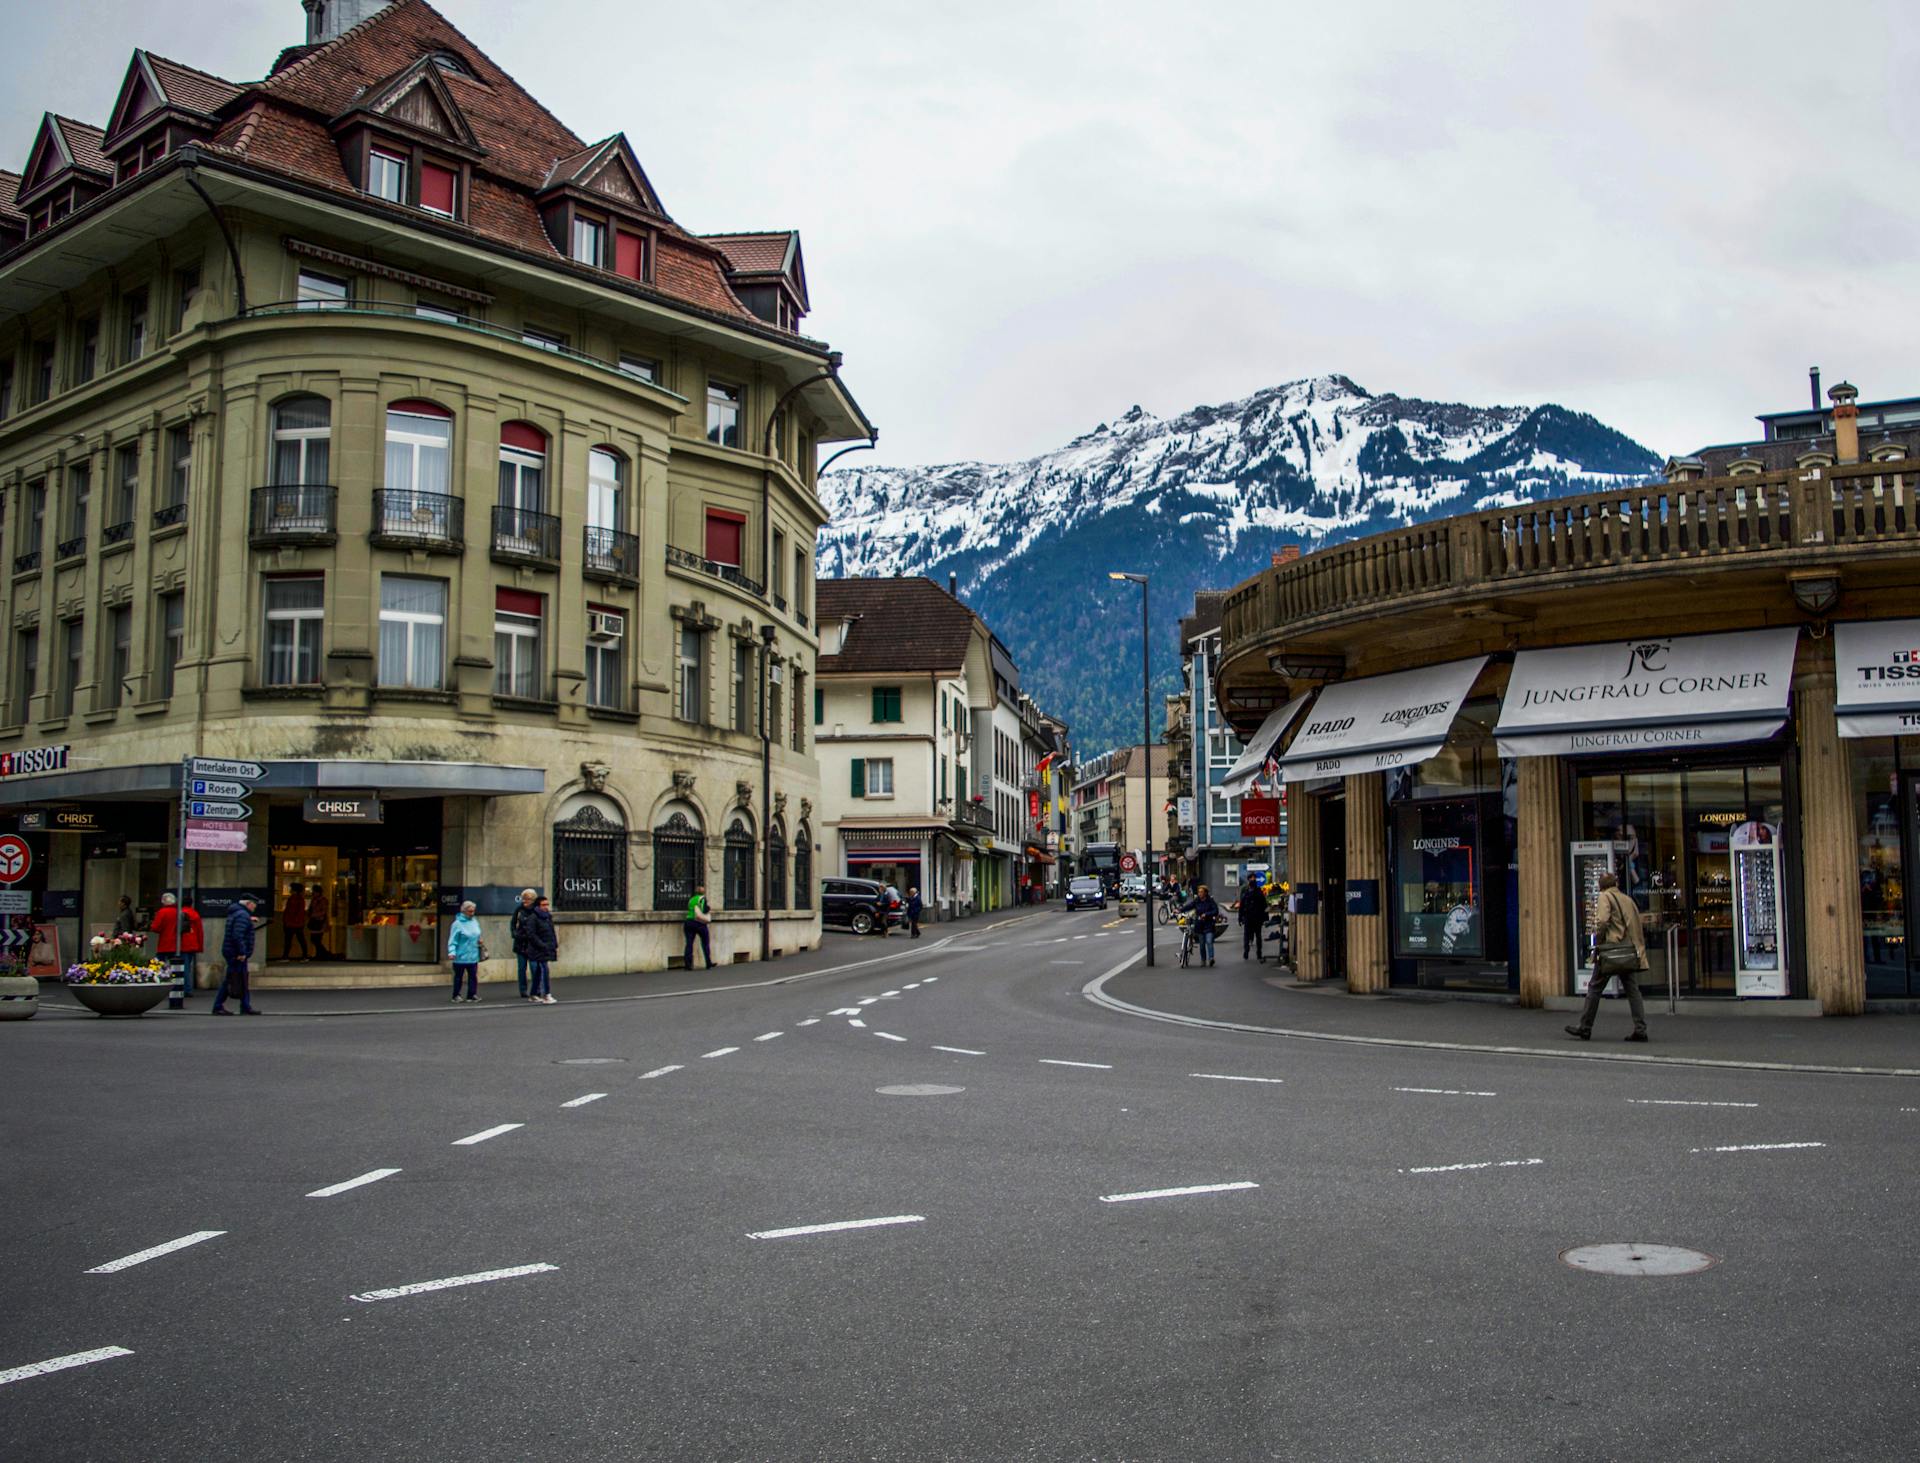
(436, 189)
(630, 255)
(724, 534)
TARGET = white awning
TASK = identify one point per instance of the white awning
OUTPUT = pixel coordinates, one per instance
(1643, 695)
(1877, 690)
(1260, 746)
(1384, 721)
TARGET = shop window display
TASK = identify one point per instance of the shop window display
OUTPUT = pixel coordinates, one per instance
(1878, 828)
(363, 894)
(1437, 858)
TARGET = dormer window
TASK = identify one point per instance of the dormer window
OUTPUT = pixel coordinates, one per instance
(387, 176)
(589, 241)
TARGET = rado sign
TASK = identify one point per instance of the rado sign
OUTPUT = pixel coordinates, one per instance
(350, 808)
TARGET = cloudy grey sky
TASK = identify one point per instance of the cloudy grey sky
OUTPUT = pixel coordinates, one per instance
(1020, 218)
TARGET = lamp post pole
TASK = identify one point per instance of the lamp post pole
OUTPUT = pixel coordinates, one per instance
(767, 633)
(1146, 743)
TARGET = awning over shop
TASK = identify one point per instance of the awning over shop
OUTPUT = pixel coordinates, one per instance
(1038, 855)
(1643, 695)
(1261, 745)
(905, 832)
(1877, 680)
(1386, 721)
(156, 781)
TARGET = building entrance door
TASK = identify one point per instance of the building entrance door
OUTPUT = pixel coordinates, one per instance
(1333, 886)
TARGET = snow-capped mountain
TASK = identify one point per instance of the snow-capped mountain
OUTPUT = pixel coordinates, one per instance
(1198, 501)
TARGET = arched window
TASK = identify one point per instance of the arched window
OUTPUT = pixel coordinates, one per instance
(523, 468)
(302, 432)
(679, 862)
(590, 856)
(803, 867)
(606, 489)
(737, 881)
(419, 448)
(776, 867)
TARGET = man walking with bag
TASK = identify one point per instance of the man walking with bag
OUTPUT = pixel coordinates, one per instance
(696, 927)
(1620, 949)
(236, 948)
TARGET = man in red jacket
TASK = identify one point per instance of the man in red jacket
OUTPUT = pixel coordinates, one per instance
(178, 931)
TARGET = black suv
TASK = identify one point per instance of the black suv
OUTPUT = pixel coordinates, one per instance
(862, 905)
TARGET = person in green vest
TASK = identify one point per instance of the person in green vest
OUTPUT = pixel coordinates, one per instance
(698, 926)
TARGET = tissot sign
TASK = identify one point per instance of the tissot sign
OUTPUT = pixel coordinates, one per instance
(1381, 722)
(1637, 695)
(1877, 672)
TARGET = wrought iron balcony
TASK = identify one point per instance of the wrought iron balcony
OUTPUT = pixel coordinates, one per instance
(521, 536)
(974, 815)
(26, 563)
(403, 519)
(117, 533)
(293, 513)
(611, 555)
(71, 548)
(730, 573)
(168, 514)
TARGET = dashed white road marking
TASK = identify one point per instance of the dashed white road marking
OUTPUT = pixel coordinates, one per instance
(1066, 962)
(1224, 1077)
(658, 1072)
(61, 1363)
(1101, 934)
(963, 1051)
(127, 1262)
(810, 1021)
(1445, 1092)
(845, 1011)
(1177, 1193)
(482, 1137)
(930, 980)
(885, 994)
(856, 1021)
(583, 1101)
(800, 1229)
(1755, 1147)
(373, 1176)
(912, 987)
(725, 1051)
(868, 1000)
(1677, 1102)
(769, 1036)
(1079, 937)
(479, 1278)
(1097, 1066)
(889, 1036)
(1466, 1167)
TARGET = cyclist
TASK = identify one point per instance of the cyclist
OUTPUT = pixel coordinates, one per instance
(1206, 916)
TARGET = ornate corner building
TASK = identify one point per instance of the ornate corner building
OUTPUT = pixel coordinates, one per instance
(365, 423)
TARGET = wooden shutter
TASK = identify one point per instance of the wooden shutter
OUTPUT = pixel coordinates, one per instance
(859, 777)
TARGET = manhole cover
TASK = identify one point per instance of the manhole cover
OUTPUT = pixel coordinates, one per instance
(918, 1089)
(588, 1061)
(1637, 1259)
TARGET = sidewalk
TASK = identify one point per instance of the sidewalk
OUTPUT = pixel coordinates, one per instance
(838, 950)
(1242, 994)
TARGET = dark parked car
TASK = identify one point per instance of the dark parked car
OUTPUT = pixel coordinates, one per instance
(861, 905)
(1086, 892)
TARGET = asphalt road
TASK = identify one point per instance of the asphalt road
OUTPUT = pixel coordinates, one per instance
(1385, 1280)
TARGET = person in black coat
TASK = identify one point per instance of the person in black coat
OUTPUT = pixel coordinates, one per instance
(1253, 919)
(517, 935)
(1205, 914)
(914, 908)
(543, 948)
(236, 949)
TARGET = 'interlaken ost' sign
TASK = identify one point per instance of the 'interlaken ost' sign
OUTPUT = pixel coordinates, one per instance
(1877, 674)
(1639, 695)
(1381, 722)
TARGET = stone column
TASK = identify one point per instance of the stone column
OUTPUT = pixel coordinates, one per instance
(1367, 859)
(1543, 882)
(1303, 867)
(1829, 843)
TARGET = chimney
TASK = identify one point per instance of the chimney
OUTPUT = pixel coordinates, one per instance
(953, 585)
(1846, 422)
(1285, 554)
(1813, 379)
(327, 20)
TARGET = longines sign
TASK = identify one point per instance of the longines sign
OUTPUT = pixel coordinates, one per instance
(1636, 695)
(1381, 722)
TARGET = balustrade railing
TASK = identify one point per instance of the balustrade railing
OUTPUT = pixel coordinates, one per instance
(405, 519)
(611, 555)
(293, 513)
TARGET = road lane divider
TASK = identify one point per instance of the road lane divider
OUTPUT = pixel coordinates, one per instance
(960, 1051)
(422, 1287)
(1469, 1167)
(373, 1176)
(127, 1262)
(1225, 1077)
(62, 1363)
(725, 1051)
(1179, 1193)
(801, 1229)
(484, 1135)
(1679, 1102)
(1057, 1062)
(769, 1036)
(658, 1072)
(583, 1101)
(1445, 1092)
(1755, 1147)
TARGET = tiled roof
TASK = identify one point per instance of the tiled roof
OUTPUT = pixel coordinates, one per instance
(9, 186)
(196, 91)
(899, 625)
(84, 142)
(754, 253)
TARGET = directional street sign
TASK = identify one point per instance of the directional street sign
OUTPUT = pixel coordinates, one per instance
(202, 788)
(218, 767)
(197, 809)
(16, 858)
(215, 825)
(213, 841)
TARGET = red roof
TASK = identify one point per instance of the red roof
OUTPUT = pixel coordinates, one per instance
(196, 91)
(899, 625)
(754, 253)
(9, 186)
(83, 141)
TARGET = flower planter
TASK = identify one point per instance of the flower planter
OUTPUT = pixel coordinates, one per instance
(121, 998)
(19, 997)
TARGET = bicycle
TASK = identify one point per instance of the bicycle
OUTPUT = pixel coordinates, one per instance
(1189, 940)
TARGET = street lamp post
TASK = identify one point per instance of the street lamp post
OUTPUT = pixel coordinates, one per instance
(767, 633)
(1146, 741)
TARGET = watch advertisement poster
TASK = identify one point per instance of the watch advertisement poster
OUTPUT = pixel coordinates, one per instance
(1759, 946)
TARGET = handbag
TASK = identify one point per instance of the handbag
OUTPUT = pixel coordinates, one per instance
(1616, 957)
(483, 949)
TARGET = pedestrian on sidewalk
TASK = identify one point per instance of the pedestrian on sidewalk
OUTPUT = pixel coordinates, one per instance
(177, 931)
(1205, 913)
(914, 908)
(465, 951)
(317, 916)
(236, 948)
(517, 927)
(1253, 919)
(124, 921)
(698, 926)
(293, 924)
(1620, 949)
(543, 948)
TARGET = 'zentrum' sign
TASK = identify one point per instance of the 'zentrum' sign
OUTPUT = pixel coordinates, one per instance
(338, 808)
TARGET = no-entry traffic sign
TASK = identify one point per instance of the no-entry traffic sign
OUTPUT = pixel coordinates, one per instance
(15, 858)
(1128, 863)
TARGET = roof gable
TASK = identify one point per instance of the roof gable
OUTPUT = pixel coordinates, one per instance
(62, 145)
(418, 98)
(770, 256)
(610, 169)
(141, 94)
(899, 625)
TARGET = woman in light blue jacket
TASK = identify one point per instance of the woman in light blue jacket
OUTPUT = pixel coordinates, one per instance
(463, 947)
